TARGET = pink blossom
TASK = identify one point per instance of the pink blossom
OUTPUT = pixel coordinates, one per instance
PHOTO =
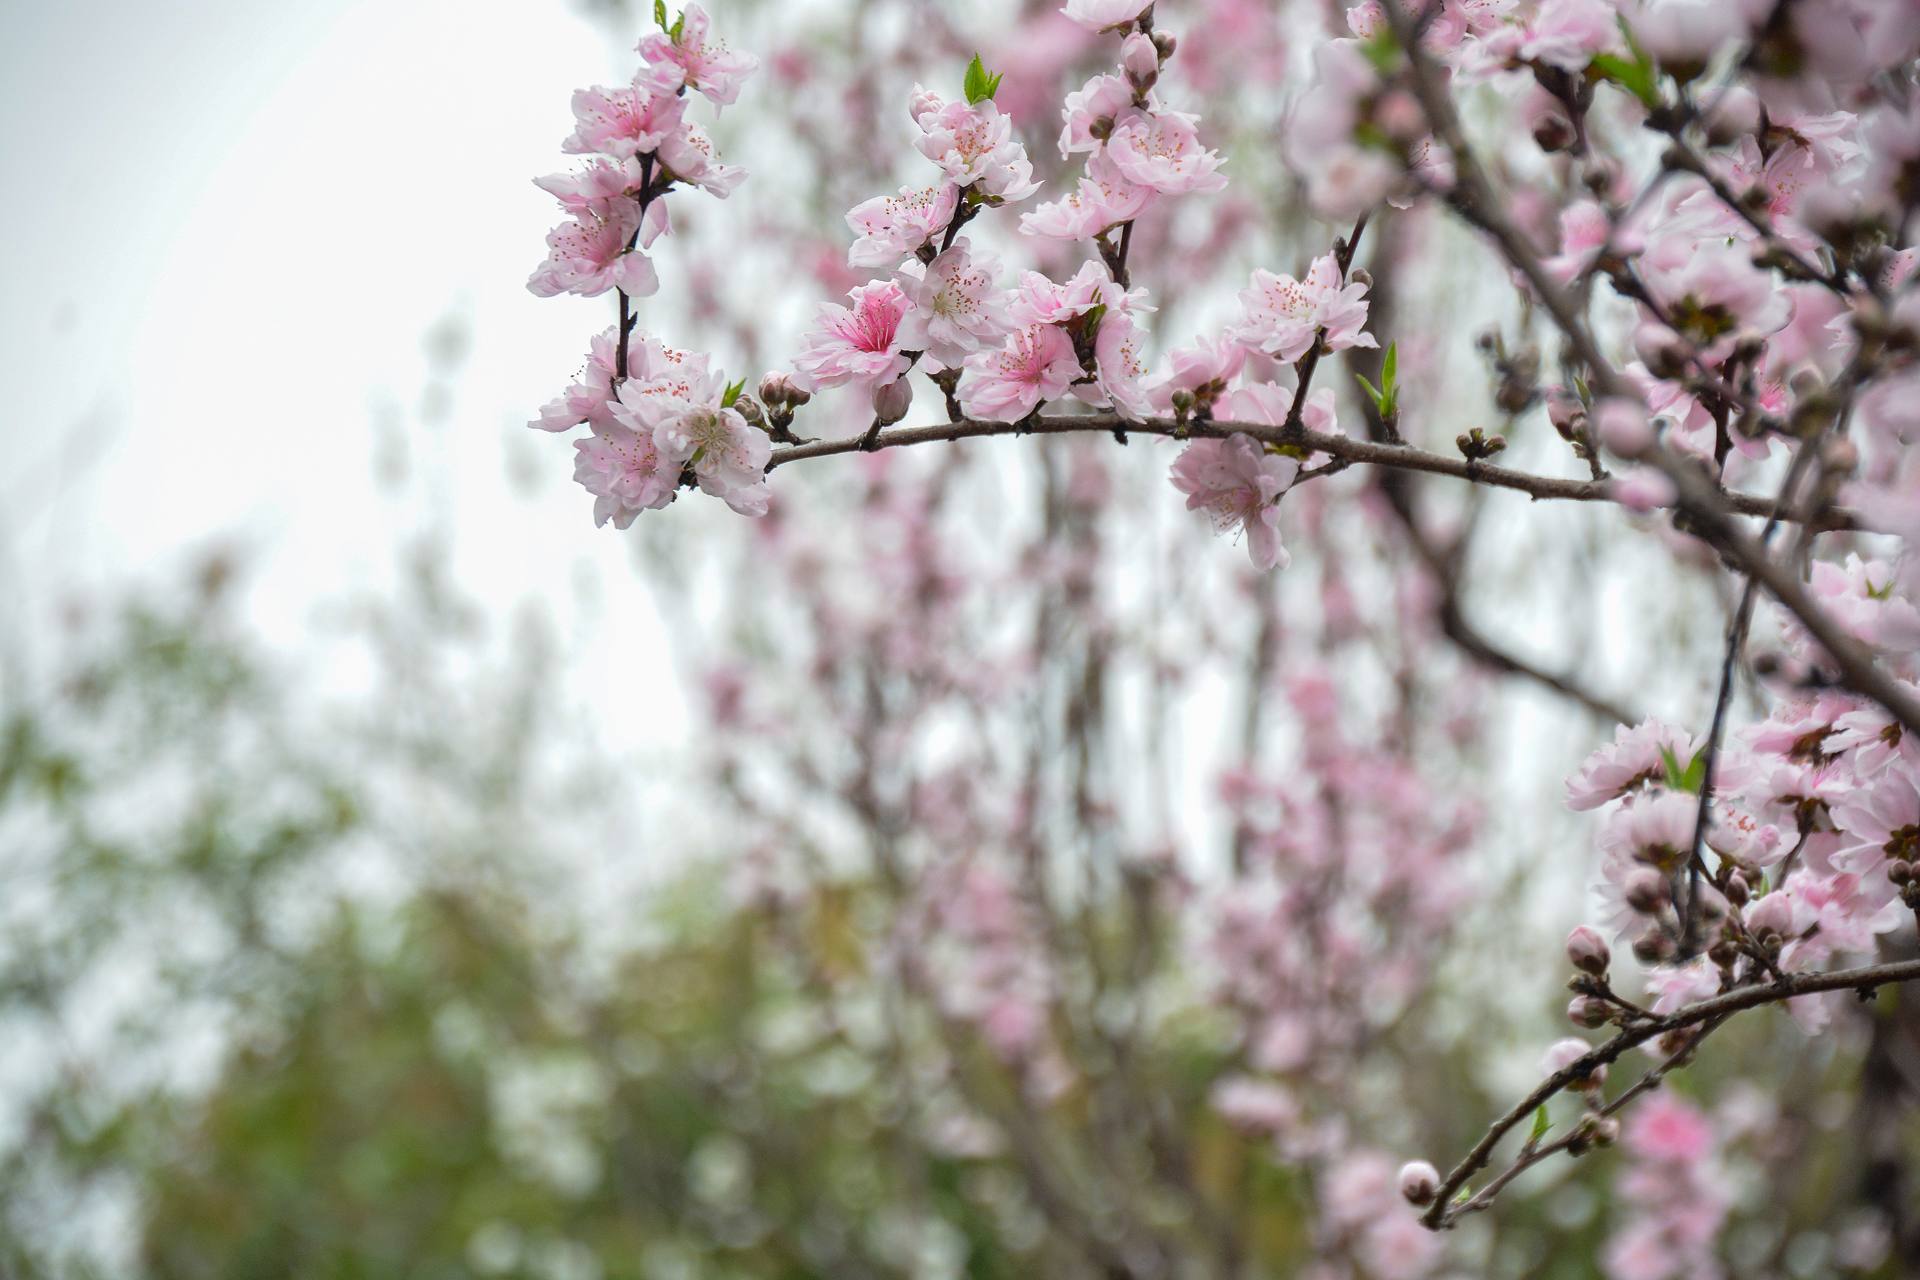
(1715, 295)
(1677, 986)
(595, 189)
(1204, 370)
(1655, 827)
(1162, 151)
(860, 344)
(728, 456)
(1035, 364)
(1569, 33)
(589, 255)
(1281, 315)
(1104, 199)
(625, 472)
(1880, 822)
(954, 307)
(1100, 15)
(693, 59)
(975, 146)
(1097, 103)
(687, 154)
(1120, 366)
(621, 123)
(1636, 756)
(1268, 404)
(1038, 300)
(1585, 230)
(1662, 1127)
(649, 364)
(891, 227)
(1238, 484)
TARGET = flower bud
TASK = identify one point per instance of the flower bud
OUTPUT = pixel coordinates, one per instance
(1585, 1011)
(1587, 951)
(1645, 890)
(1606, 1131)
(775, 390)
(1622, 426)
(1652, 948)
(1900, 872)
(1419, 1182)
(923, 102)
(891, 402)
(1564, 1053)
(1165, 43)
(1141, 61)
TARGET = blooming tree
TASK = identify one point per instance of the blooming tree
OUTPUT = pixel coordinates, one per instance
(1701, 209)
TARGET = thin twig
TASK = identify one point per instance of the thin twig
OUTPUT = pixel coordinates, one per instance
(1863, 980)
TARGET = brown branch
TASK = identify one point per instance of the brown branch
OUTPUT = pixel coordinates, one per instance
(1729, 502)
(1472, 197)
(1442, 1214)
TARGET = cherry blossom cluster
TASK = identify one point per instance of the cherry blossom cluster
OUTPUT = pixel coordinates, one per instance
(658, 418)
(1705, 211)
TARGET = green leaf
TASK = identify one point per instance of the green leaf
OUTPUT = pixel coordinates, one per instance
(1691, 778)
(1389, 389)
(1637, 78)
(679, 25)
(660, 13)
(980, 86)
(732, 393)
(1540, 1125)
(1374, 393)
(1672, 763)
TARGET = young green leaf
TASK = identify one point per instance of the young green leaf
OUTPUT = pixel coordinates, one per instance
(980, 86)
(1540, 1125)
(660, 13)
(1637, 78)
(1389, 370)
(732, 393)
(1374, 393)
(679, 25)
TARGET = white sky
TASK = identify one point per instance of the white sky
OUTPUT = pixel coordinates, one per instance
(230, 226)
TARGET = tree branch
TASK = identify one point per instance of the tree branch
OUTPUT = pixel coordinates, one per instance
(1729, 503)
(1442, 1214)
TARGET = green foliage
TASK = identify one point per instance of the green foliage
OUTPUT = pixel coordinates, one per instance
(980, 86)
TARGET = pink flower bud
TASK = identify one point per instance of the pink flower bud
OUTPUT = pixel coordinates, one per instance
(1419, 1182)
(923, 102)
(1564, 1053)
(1141, 61)
(1585, 1011)
(892, 400)
(775, 390)
(1622, 426)
(1587, 950)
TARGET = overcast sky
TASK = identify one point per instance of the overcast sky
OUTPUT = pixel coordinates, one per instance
(229, 229)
